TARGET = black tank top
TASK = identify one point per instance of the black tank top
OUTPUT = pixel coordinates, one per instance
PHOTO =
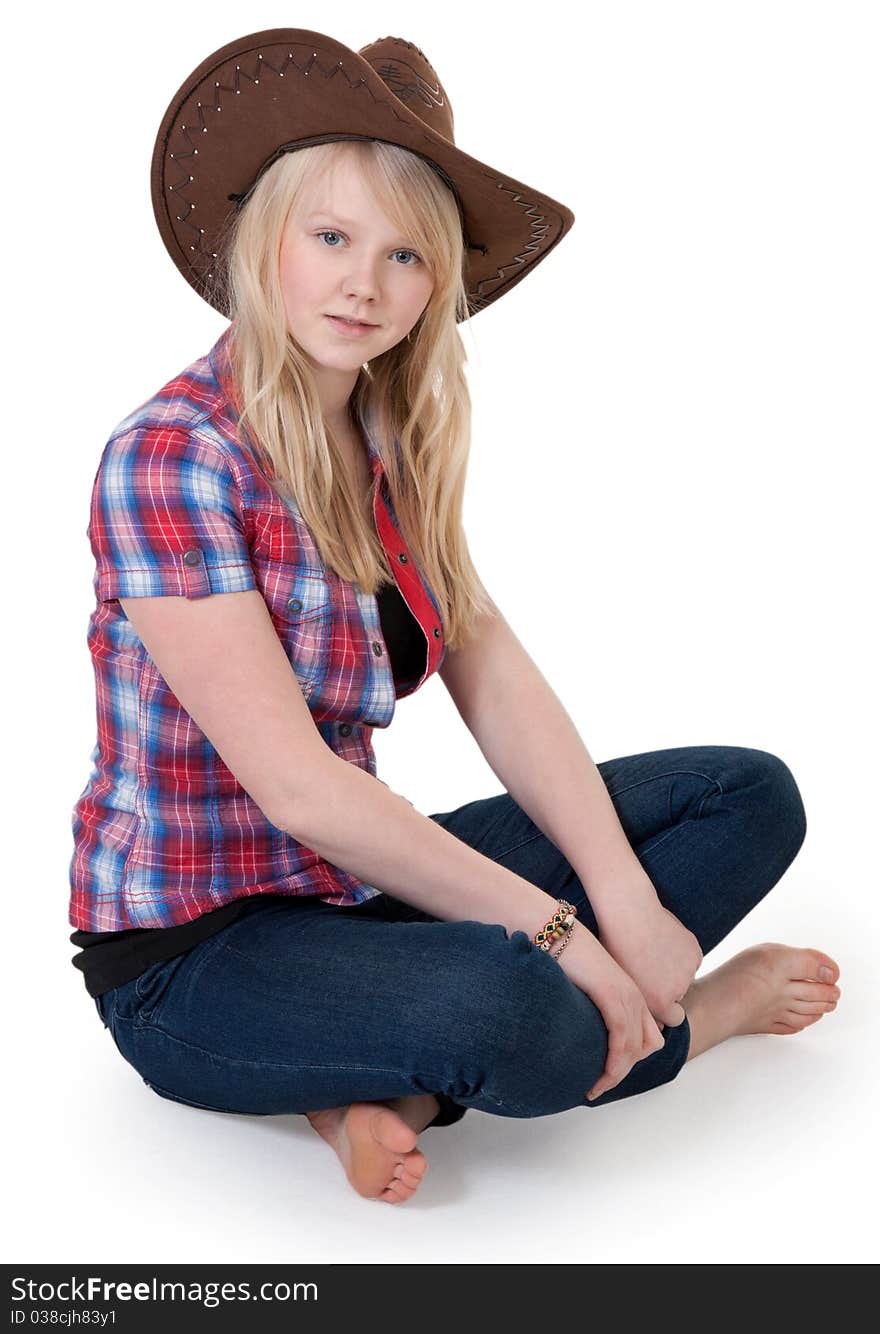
(109, 958)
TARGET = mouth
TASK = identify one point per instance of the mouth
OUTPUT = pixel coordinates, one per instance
(351, 326)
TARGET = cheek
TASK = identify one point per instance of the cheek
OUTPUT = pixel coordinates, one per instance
(407, 296)
(299, 279)
(420, 300)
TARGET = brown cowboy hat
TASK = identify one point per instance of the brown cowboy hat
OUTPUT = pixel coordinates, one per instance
(272, 92)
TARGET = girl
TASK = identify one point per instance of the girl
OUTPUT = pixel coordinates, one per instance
(265, 927)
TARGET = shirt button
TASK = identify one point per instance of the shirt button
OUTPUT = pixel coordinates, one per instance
(436, 632)
(294, 604)
(403, 557)
(377, 648)
(345, 729)
(192, 557)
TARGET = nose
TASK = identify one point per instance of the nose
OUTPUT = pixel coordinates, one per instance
(361, 281)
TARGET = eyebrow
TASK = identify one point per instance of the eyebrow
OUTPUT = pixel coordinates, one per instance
(332, 217)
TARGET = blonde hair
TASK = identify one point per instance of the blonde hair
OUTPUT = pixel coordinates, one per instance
(415, 394)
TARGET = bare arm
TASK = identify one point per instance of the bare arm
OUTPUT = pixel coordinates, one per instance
(531, 744)
(359, 824)
(222, 658)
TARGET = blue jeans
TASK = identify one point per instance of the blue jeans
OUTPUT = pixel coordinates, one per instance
(299, 1005)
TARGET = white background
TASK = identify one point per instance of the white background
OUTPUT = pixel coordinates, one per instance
(672, 496)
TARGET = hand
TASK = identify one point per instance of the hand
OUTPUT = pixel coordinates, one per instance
(651, 945)
(632, 1032)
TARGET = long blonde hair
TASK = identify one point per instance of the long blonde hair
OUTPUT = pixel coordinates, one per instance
(415, 394)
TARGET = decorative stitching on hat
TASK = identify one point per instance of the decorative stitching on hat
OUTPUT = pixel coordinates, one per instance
(409, 86)
(401, 41)
(536, 220)
(539, 227)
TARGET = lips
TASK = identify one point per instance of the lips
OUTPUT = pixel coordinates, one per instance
(348, 330)
(356, 324)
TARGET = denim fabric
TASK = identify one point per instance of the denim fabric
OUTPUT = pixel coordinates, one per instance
(301, 1005)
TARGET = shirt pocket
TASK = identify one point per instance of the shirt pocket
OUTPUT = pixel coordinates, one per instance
(301, 604)
(306, 595)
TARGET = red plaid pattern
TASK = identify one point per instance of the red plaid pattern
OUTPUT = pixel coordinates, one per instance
(163, 832)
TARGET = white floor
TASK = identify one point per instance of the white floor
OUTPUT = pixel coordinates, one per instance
(674, 435)
(761, 1151)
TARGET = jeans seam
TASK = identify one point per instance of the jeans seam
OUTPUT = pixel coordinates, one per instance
(670, 773)
(348, 1067)
(264, 1065)
(191, 1102)
(532, 838)
(658, 843)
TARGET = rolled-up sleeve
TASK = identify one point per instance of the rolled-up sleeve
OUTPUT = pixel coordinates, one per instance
(167, 517)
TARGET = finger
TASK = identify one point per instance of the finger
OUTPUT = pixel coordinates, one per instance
(603, 1086)
(606, 1081)
(652, 1037)
(618, 1063)
(622, 1056)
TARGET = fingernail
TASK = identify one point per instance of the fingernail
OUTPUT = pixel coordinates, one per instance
(826, 974)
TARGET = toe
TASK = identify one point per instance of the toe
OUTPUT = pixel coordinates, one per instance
(413, 1164)
(406, 1177)
(819, 967)
(802, 989)
(799, 1021)
(811, 1006)
(396, 1193)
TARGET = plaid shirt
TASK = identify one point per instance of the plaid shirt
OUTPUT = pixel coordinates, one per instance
(163, 831)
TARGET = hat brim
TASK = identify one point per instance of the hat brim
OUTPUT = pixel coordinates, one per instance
(285, 88)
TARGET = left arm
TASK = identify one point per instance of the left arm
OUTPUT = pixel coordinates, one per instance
(533, 747)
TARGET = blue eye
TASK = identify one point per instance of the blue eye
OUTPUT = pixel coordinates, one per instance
(330, 232)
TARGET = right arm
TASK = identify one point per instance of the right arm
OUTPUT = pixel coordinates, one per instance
(223, 660)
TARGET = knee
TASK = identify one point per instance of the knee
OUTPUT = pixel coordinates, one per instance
(479, 983)
(781, 800)
(523, 1034)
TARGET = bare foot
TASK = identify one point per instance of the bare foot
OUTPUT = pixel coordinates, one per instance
(375, 1142)
(766, 988)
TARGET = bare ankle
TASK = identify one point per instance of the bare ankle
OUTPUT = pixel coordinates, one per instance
(704, 1028)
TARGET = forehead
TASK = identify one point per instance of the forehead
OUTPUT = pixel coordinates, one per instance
(343, 190)
(343, 195)
(331, 213)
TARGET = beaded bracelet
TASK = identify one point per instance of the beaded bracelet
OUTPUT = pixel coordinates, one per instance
(568, 936)
(563, 933)
(560, 923)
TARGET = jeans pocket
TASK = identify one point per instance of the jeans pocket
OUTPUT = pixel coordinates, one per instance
(151, 986)
(154, 985)
(105, 1004)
